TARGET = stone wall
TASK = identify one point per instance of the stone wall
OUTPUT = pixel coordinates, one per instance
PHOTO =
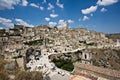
(21, 63)
(96, 71)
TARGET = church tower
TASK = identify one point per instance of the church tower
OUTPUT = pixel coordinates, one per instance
(67, 25)
(118, 43)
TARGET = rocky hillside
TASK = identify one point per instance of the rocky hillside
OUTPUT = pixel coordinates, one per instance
(107, 58)
(9, 71)
(113, 36)
(65, 60)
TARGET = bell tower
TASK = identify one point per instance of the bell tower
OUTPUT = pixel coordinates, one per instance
(66, 25)
(118, 42)
(86, 57)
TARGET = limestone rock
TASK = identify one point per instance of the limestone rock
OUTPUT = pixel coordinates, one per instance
(11, 65)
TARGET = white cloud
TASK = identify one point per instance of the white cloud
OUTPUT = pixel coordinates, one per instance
(41, 8)
(50, 6)
(34, 5)
(47, 19)
(89, 10)
(85, 18)
(103, 10)
(59, 5)
(70, 21)
(106, 2)
(52, 23)
(1, 28)
(53, 15)
(21, 22)
(8, 4)
(6, 22)
(91, 14)
(61, 23)
(44, 1)
(24, 2)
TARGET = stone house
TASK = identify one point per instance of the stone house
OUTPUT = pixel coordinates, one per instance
(28, 32)
(2, 32)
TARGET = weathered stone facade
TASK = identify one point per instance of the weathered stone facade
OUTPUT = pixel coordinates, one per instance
(16, 41)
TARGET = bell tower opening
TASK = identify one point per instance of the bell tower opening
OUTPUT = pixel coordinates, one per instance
(85, 56)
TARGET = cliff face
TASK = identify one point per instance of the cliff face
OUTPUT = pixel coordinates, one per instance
(60, 39)
(53, 36)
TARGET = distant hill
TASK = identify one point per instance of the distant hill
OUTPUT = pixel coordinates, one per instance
(113, 36)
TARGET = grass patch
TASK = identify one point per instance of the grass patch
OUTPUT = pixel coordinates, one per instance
(69, 66)
(95, 63)
(65, 65)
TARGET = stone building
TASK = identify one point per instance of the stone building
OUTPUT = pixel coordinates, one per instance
(18, 27)
(28, 32)
(2, 32)
(32, 54)
(118, 43)
(86, 57)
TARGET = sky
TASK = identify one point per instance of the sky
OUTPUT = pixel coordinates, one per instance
(98, 15)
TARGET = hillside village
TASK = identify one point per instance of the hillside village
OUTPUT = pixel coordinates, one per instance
(40, 49)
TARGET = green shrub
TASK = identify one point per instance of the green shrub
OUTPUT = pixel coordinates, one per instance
(69, 66)
(15, 57)
(77, 52)
(69, 53)
(58, 64)
(95, 63)
(66, 65)
(103, 59)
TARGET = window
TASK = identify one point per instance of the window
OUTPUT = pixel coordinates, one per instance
(85, 56)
